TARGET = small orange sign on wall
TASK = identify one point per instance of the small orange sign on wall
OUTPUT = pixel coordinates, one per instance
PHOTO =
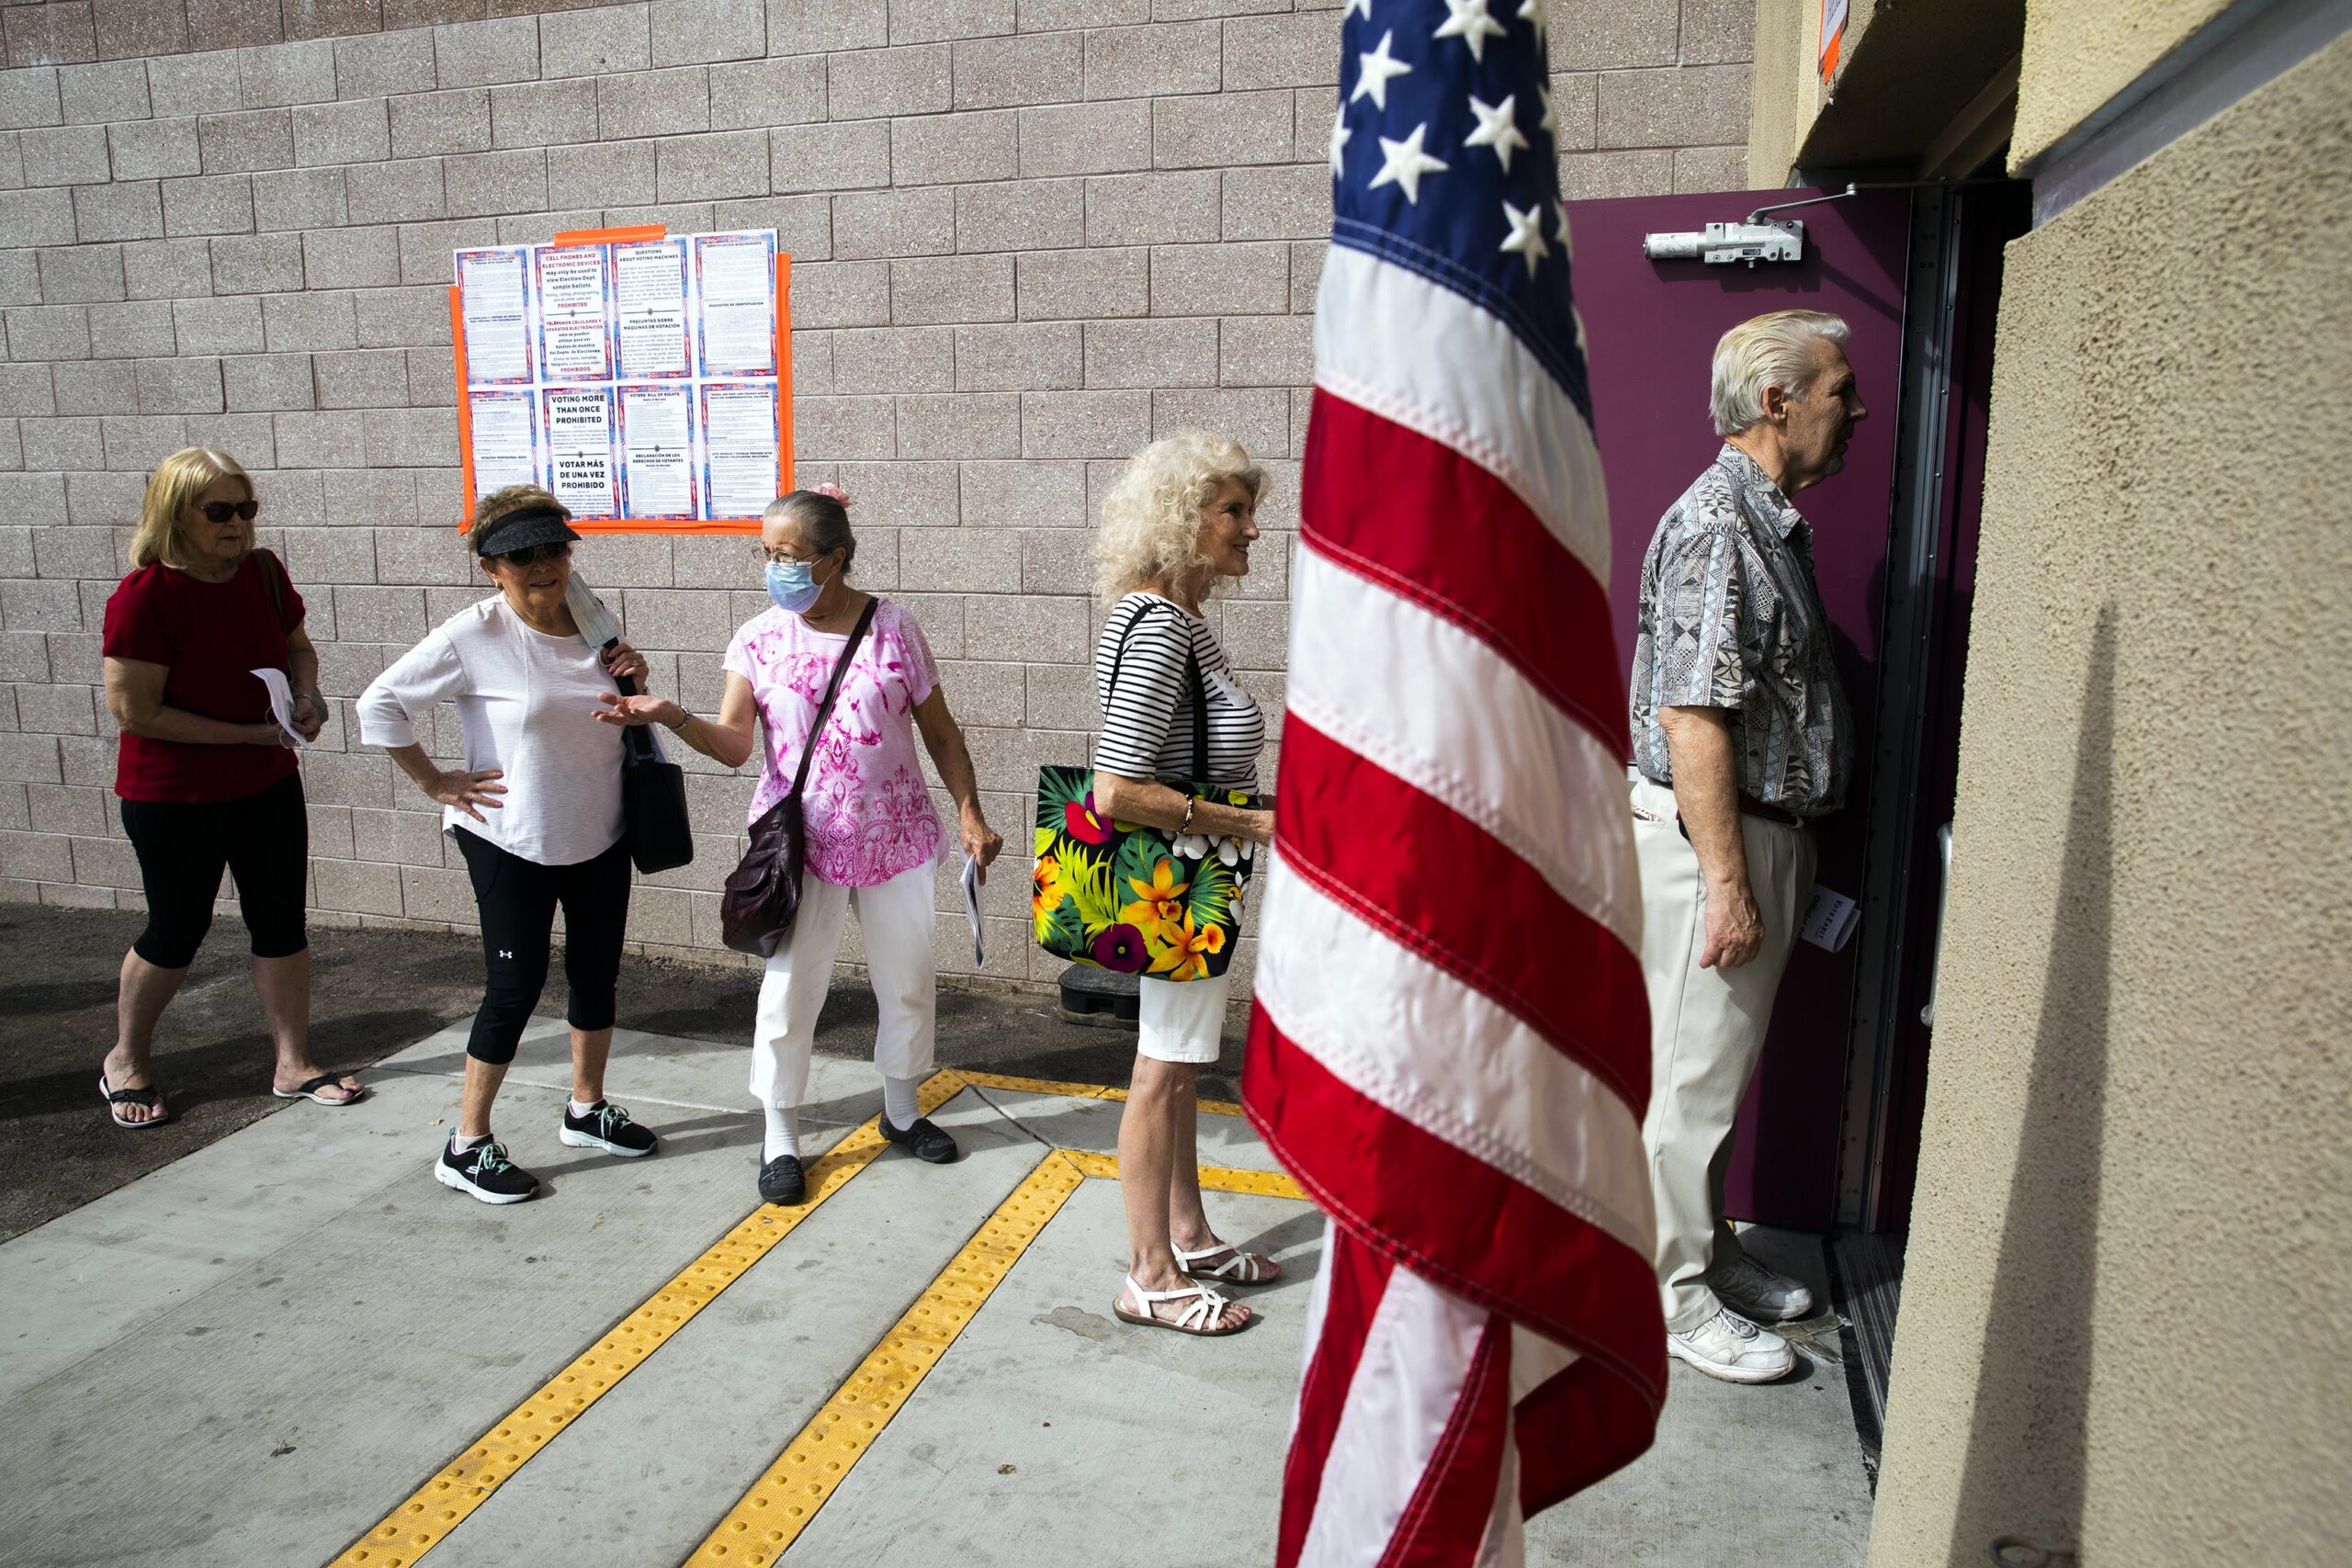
(1833, 35)
(645, 379)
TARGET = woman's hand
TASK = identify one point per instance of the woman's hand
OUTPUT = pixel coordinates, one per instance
(464, 791)
(631, 711)
(623, 659)
(1262, 827)
(267, 733)
(309, 714)
(979, 841)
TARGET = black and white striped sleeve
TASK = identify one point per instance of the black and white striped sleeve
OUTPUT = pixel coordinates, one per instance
(1140, 704)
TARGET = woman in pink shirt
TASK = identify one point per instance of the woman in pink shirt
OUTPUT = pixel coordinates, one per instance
(873, 836)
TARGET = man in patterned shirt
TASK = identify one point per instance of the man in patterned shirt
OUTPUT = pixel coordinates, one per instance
(1741, 736)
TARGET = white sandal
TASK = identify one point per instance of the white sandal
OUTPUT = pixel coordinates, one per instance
(1241, 1269)
(1201, 1318)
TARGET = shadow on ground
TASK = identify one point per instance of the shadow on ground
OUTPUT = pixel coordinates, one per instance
(374, 992)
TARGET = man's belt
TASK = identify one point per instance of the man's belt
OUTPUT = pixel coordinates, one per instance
(1749, 806)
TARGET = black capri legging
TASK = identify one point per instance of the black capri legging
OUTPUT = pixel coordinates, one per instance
(263, 840)
(518, 898)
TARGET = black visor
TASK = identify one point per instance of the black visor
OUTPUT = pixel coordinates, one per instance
(521, 530)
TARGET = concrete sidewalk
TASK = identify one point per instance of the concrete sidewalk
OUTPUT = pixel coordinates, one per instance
(261, 1351)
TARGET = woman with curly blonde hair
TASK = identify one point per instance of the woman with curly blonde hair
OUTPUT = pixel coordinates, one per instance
(1181, 517)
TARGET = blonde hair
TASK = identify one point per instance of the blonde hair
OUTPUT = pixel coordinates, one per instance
(172, 489)
(1772, 349)
(505, 501)
(1151, 518)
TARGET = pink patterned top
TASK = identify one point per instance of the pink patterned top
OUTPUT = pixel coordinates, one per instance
(868, 813)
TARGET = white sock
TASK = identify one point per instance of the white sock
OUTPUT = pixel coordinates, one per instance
(460, 1144)
(899, 1101)
(578, 1109)
(783, 1134)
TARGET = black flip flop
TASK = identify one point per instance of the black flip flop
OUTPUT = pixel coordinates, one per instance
(308, 1090)
(114, 1096)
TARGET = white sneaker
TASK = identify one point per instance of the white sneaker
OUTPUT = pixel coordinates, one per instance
(1759, 1294)
(1729, 1347)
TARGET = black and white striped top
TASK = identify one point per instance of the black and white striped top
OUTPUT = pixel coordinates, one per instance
(1148, 718)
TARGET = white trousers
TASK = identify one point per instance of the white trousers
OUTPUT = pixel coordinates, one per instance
(1181, 1021)
(895, 919)
(1706, 1031)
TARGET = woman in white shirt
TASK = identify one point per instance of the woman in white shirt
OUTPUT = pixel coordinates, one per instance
(537, 811)
(1181, 516)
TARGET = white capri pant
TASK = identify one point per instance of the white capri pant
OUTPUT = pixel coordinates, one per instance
(895, 919)
(1181, 1022)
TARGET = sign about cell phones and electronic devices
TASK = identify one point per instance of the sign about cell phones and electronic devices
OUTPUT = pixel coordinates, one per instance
(643, 378)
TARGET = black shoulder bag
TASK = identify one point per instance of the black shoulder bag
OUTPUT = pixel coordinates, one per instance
(653, 800)
(763, 895)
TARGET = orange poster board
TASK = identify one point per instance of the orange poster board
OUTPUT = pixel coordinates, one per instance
(529, 390)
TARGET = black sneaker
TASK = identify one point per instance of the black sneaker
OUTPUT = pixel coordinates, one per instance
(484, 1171)
(782, 1181)
(608, 1127)
(930, 1143)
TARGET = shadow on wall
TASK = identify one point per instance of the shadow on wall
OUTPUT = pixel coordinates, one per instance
(2023, 1477)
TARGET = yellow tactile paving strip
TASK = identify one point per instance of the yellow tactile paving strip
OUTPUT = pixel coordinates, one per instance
(442, 1504)
(763, 1526)
(771, 1514)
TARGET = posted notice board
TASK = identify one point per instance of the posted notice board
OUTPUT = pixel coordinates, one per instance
(643, 378)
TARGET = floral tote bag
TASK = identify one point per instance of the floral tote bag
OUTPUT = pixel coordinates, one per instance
(1140, 900)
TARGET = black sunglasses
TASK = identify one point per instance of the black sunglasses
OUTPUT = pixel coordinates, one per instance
(531, 555)
(222, 511)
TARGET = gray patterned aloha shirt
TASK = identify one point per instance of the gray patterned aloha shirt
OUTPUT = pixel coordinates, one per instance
(1730, 618)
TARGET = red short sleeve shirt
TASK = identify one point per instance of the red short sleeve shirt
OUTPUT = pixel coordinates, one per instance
(211, 637)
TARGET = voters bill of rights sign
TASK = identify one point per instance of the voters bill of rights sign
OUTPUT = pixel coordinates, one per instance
(643, 378)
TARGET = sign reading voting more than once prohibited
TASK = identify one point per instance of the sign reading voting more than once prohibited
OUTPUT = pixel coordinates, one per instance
(643, 378)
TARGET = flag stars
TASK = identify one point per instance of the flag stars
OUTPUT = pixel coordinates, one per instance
(1468, 21)
(1526, 238)
(1404, 164)
(1339, 134)
(1550, 123)
(1374, 68)
(1536, 14)
(1498, 128)
(1356, 8)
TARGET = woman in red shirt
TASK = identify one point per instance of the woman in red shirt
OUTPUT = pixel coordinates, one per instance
(205, 774)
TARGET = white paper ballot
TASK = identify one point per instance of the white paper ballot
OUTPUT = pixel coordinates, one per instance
(493, 294)
(657, 451)
(650, 289)
(1830, 920)
(971, 880)
(739, 447)
(736, 277)
(281, 708)
(575, 313)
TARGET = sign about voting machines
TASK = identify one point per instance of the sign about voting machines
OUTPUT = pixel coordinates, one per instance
(642, 377)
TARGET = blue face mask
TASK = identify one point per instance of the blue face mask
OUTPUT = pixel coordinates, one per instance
(793, 584)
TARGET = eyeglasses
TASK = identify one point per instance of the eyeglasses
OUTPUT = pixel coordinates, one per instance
(781, 558)
(222, 511)
(531, 555)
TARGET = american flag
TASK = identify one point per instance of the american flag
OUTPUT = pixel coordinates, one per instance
(1450, 1047)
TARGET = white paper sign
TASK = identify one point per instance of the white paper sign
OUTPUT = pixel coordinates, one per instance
(580, 450)
(503, 423)
(1830, 920)
(649, 291)
(575, 313)
(493, 295)
(738, 442)
(281, 708)
(736, 277)
(657, 450)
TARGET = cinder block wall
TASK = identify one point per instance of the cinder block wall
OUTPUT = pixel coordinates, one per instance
(1028, 236)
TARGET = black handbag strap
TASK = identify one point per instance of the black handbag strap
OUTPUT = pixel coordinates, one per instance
(832, 690)
(1192, 676)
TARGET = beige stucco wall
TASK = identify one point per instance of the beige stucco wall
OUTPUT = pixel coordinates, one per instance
(1785, 94)
(2128, 1281)
(2080, 53)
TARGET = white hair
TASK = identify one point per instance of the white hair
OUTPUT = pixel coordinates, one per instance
(1775, 350)
(1151, 517)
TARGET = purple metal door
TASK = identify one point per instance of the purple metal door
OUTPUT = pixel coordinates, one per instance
(1650, 330)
